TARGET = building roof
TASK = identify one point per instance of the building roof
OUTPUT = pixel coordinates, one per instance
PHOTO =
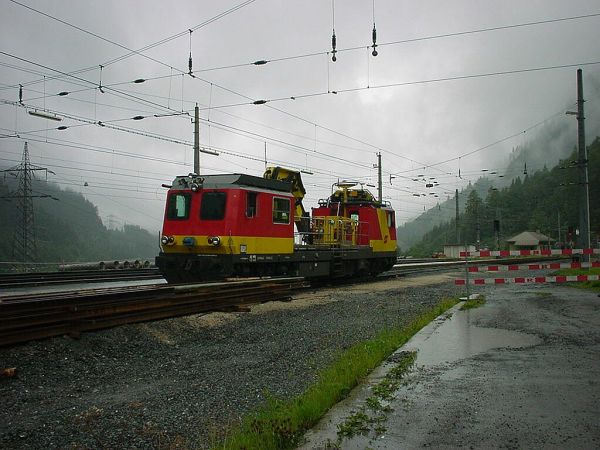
(529, 238)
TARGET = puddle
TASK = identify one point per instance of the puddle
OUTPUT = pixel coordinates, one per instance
(458, 339)
(442, 341)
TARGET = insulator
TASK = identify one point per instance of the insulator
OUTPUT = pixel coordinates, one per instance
(63, 93)
(62, 127)
(139, 80)
(259, 102)
(333, 44)
(21, 94)
(138, 117)
(261, 62)
(374, 53)
(100, 82)
(190, 64)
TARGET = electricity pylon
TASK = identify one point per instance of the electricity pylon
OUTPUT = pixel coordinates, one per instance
(24, 243)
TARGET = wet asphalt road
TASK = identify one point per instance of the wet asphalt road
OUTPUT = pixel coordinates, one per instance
(522, 371)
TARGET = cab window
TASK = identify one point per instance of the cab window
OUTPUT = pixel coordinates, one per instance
(179, 206)
(251, 204)
(281, 210)
(213, 206)
(390, 219)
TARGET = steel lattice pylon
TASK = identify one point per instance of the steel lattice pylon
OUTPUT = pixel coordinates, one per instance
(24, 243)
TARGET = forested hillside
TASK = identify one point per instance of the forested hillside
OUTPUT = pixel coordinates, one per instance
(412, 232)
(532, 203)
(68, 228)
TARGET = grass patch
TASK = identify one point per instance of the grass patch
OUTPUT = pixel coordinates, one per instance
(588, 285)
(473, 303)
(371, 416)
(281, 423)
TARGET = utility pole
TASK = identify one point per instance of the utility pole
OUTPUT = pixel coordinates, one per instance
(584, 196)
(497, 228)
(197, 140)
(478, 231)
(456, 221)
(24, 243)
(582, 163)
(558, 226)
(380, 185)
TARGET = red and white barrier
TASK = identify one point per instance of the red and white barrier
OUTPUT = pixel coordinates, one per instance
(554, 266)
(548, 252)
(556, 279)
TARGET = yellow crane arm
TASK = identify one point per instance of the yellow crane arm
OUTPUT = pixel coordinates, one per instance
(293, 177)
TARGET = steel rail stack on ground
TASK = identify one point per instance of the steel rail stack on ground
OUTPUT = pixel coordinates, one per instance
(29, 317)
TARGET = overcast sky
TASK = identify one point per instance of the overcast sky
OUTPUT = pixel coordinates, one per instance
(416, 124)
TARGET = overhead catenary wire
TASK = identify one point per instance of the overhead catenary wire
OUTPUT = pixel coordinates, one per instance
(125, 154)
(109, 89)
(111, 124)
(209, 109)
(360, 47)
(551, 20)
(266, 60)
(503, 27)
(426, 81)
(508, 137)
(130, 51)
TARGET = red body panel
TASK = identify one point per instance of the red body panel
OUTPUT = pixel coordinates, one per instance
(235, 222)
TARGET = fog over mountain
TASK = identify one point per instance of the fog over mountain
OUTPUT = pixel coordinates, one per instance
(449, 94)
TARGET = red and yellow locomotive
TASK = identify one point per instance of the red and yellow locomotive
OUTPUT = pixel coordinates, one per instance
(218, 226)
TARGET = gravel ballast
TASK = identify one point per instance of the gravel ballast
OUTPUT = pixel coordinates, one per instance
(181, 383)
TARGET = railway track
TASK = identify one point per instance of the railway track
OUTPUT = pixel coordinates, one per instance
(37, 316)
(80, 276)
(29, 317)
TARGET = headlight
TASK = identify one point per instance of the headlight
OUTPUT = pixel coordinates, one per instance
(214, 240)
(167, 240)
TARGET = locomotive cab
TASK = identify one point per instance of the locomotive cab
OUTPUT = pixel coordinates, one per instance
(214, 223)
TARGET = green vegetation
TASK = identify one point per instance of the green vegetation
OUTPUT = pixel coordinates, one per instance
(531, 202)
(589, 285)
(370, 417)
(70, 229)
(473, 303)
(281, 423)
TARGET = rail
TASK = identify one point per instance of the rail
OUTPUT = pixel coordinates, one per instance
(29, 317)
(82, 276)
